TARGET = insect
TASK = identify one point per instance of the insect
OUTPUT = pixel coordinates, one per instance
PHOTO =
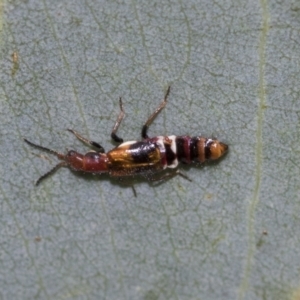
(148, 157)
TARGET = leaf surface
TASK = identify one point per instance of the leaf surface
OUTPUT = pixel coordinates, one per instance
(233, 67)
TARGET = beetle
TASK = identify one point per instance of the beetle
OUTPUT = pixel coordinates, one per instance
(148, 157)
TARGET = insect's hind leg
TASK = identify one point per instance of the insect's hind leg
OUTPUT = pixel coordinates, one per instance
(167, 176)
(153, 116)
(92, 143)
(117, 124)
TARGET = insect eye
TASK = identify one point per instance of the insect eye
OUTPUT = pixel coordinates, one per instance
(71, 153)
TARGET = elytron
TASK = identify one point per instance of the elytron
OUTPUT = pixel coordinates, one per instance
(148, 157)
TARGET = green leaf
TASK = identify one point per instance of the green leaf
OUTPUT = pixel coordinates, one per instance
(233, 67)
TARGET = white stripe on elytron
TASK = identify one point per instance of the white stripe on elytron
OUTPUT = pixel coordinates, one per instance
(174, 163)
(127, 143)
(161, 145)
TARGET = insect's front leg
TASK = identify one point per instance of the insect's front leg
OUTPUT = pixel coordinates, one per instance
(117, 124)
(92, 143)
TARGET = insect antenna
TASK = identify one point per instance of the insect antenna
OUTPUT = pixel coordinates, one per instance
(62, 164)
(58, 154)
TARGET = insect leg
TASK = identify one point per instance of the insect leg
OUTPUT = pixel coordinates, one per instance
(168, 176)
(134, 191)
(117, 124)
(153, 116)
(184, 176)
(58, 154)
(92, 143)
(121, 179)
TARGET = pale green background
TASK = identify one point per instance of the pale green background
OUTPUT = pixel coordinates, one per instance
(234, 69)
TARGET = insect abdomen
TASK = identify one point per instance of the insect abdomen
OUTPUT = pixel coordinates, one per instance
(198, 149)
